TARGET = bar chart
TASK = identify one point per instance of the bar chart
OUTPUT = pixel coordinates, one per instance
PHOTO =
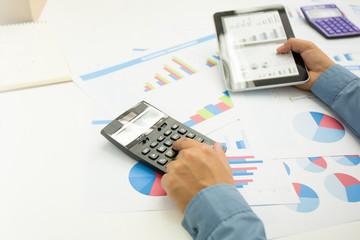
(243, 169)
(213, 60)
(267, 27)
(175, 70)
(349, 59)
(343, 57)
(211, 110)
(261, 180)
(235, 140)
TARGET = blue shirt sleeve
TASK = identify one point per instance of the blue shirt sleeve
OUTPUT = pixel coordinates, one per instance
(340, 89)
(220, 212)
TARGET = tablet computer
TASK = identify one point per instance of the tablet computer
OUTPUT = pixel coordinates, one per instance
(248, 39)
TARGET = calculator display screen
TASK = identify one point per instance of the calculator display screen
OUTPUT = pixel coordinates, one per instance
(323, 13)
(252, 40)
(135, 125)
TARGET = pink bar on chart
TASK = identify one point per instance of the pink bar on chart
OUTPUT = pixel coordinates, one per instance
(147, 88)
(240, 157)
(160, 80)
(183, 66)
(222, 106)
(243, 180)
(197, 118)
(210, 63)
(246, 168)
(171, 72)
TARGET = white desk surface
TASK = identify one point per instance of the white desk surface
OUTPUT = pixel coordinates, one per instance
(43, 157)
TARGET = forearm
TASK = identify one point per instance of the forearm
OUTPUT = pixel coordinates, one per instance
(340, 89)
(220, 212)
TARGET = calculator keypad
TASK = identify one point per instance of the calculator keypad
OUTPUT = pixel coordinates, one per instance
(337, 26)
(158, 149)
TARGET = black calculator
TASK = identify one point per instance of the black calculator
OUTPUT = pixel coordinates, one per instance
(328, 20)
(147, 134)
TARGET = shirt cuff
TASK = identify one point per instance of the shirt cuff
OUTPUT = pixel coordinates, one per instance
(210, 207)
(331, 83)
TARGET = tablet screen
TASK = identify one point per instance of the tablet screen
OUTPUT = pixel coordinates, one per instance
(248, 40)
(252, 40)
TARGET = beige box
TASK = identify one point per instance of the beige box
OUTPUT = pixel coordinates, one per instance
(36, 7)
(19, 11)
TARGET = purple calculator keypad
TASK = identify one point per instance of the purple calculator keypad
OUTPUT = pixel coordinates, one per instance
(336, 25)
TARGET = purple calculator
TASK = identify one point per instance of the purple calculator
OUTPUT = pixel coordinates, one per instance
(330, 21)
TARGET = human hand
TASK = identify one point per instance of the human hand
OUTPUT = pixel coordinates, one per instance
(196, 167)
(315, 59)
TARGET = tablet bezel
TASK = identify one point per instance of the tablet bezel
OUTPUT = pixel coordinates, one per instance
(231, 85)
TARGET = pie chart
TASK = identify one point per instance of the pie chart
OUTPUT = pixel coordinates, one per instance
(319, 127)
(309, 200)
(348, 160)
(146, 181)
(343, 187)
(312, 164)
(287, 168)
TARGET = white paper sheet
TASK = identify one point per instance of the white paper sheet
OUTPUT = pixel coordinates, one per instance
(184, 81)
(289, 122)
(328, 189)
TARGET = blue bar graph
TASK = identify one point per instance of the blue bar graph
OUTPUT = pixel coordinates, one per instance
(337, 58)
(242, 161)
(242, 173)
(241, 184)
(185, 70)
(240, 144)
(348, 57)
(213, 109)
(100, 122)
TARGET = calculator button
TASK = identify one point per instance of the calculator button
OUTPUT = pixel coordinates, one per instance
(175, 126)
(161, 138)
(161, 149)
(154, 144)
(153, 156)
(182, 131)
(167, 132)
(170, 154)
(175, 137)
(168, 143)
(199, 139)
(190, 135)
(162, 161)
(145, 151)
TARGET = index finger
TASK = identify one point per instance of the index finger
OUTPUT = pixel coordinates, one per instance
(184, 143)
